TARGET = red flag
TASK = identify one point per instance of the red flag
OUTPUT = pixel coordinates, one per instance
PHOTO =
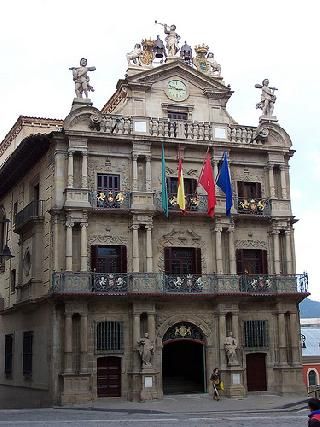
(207, 182)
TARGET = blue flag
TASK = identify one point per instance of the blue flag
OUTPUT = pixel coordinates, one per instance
(224, 182)
(164, 189)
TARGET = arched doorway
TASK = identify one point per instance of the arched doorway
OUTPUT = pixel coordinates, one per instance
(183, 360)
(256, 372)
(109, 376)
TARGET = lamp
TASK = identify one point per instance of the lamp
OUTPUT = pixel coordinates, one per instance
(5, 253)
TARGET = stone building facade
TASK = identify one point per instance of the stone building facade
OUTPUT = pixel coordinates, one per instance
(105, 295)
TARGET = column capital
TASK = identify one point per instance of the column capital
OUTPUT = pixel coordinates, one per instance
(71, 152)
(218, 228)
(231, 228)
(135, 226)
(135, 156)
(283, 167)
(69, 224)
(84, 224)
(148, 157)
(148, 226)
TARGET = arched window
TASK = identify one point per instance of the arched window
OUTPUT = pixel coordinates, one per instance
(312, 377)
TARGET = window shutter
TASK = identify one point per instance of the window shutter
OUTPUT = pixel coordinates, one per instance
(239, 258)
(264, 262)
(241, 189)
(94, 249)
(123, 259)
(197, 261)
(167, 260)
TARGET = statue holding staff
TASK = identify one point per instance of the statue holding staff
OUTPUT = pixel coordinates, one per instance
(268, 98)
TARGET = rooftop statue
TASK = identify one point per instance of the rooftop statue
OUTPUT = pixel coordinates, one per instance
(135, 55)
(215, 68)
(172, 39)
(186, 53)
(268, 98)
(81, 78)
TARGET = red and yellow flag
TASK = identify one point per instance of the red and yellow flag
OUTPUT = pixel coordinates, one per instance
(181, 200)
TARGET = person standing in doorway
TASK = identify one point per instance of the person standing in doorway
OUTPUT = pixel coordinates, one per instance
(216, 383)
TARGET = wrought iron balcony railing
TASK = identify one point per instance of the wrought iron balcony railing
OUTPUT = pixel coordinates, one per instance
(110, 199)
(194, 202)
(33, 210)
(257, 206)
(160, 283)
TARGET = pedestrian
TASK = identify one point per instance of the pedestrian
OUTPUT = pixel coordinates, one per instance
(314, 416)
(216, 383)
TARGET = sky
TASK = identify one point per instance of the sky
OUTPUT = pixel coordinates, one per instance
(251, 39)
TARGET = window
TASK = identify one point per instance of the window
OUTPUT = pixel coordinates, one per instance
(109, 259)
(13, 276)
(251, 261)
(256, 333)
(249, 190)
(190, 185)
(109, 336)
(182, 260)
(312, 377)
(8, 353)
(27, 353)
(175, 115)
(108, 182)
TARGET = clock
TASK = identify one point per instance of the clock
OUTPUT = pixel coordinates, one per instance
(177, 90)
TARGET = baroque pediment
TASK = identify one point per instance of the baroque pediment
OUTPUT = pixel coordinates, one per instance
(211, 86)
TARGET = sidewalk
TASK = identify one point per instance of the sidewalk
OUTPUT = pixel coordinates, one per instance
(198, 403)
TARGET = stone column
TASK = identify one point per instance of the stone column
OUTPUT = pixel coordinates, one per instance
(222, 337)
(55, 244)
(59, 179)
(84, 343)
(135, 248)
(271, 181)
(232, 252)
(69, 226)
(293, 251)
(134, 172)
(84, 246)
(70, 169)
(84, 170)
(295, 341)
(276, 251)
(148, 173)
(235, 326)
(68, 343)
(152, 326)
(149, 249)
(288, 252)
(283, 182)
(215, 169)
(282, 339)
(218, 231)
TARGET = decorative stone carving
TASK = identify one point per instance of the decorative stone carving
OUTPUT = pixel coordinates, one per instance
(251, 244)
(230, 346)
(215, 68)
(172, 39)
(200, 61)
(107, 239)
(81, 78)
(147, 55)
(103, 165)
(135, 55)
(268, 98)
(146, 350)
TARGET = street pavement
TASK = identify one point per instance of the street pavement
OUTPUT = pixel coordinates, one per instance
(182, 410)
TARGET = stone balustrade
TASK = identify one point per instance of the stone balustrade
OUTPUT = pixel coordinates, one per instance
(174, 129)
(160, 283)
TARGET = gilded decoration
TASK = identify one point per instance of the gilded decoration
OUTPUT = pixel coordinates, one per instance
(183, 330)
(200, 61)
(147, 55)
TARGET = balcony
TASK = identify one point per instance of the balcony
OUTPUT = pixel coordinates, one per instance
(121, 126)
(160, 283)
(33, 211)
(110, 199)
(257, 206)
(194, 202)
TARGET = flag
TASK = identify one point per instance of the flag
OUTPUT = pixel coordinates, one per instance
(181, 200)
(207, 181)
(164, 189)
(224, 182)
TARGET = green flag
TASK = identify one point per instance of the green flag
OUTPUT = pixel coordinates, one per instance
(164, 189)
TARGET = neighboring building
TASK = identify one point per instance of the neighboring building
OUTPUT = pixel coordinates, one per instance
(98, 265)
(310, 340)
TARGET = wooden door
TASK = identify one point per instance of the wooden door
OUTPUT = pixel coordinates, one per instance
(109, 376)
(256, 372)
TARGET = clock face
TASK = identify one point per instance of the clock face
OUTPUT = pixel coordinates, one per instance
(177, 90)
